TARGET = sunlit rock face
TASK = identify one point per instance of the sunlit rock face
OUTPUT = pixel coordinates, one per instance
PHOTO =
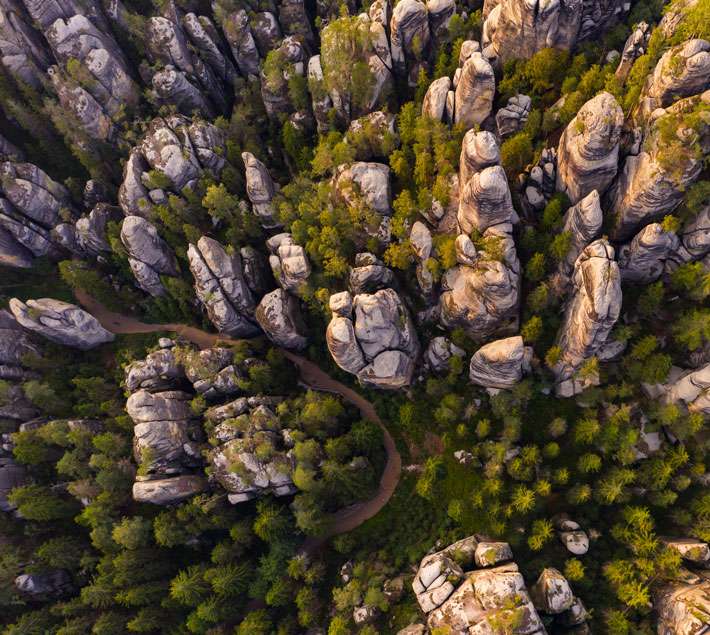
(372, 336)
(587, 155)
(591, 313)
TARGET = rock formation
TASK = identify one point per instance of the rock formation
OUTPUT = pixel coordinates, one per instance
(438, 354)
(369, 275)
(500, 364)
(588, 151)
(260, 189)
(582, 222)
(148, 254)
(643, 260)
(279, 315)
(485, 201)
(60, 322)
(410, 34)
(369, 182)
(15, 343)
(683, 607)
(222, 289)
(372, 336)
(513, 116)
(475, 90)
(481, 293)
(634, 48)
(289, 263)
(434, 104)
(479, 150)
(589, 316)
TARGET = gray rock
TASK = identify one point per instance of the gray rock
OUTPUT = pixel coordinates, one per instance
(202, 32)
(260, 189)
(583, 222)
(267, 32)
(49, 584)
(149, 254)
(12, 253)
(374, 340)
(91, 229)
(694, 551)
(369, 275)
(132, 194)
(485, 201)
(551, 593)
(289, 263)
(279, 316)
(170, 405)
(409, 33)
(60, 322)
(237, 32)
(643, 260)
(500, 364)
(172, 87)
(689, 387)
(590, 314)
(22, 51)
(474, 91)
(434, 104)
(479, 150)
(438, 353)
(683, 607)
(256, 271)
(365, 181)
(169, 491)
(221, 287)
(634, 48)
(588, 151)
(159, 371)
(513, 116)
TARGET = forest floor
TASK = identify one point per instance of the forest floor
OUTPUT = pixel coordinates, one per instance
(313, 377)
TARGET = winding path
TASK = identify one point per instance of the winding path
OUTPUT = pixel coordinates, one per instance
(345, 519)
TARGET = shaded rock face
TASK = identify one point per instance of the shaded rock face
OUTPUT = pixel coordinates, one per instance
(221, 287)
(551, 593)
(689, 387)
(588, 151)
(12, 475)
(237, 32)
(590, 315)
(15, 343)
(479, 150)
(12, 253)
(500, 364)
(260, 190)
(475, 90)
(434, 104)
(634, 48)
(513, 116)
(279, 315)
(583, 222)
(369, 182)
(439, 353)
(409, 33)
(159, 371)
(481, 294)
(683, 608)
(45, 585)
(681, 72)
(60, 322)
(236, 464)
(652, 183)
(643, 260)
(22, 51)
(695, 237)
(289, 263)
(485, 201)
(372, 336)
(369, 274)
(91, 229)
(149, 255)
(169, 491)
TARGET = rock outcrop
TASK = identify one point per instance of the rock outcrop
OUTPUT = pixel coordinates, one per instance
(434, 104)
(279, 315)
(260, 190)
(148, 254)
(643, 260)
(22, 51)
(582, 222)
(289, 263)
(690, 387)
(369, 274)
(475, 90)
(500, 364)
(551, 593)
(15, 343)
(634, 48)
(221, 287)
(91, 229)
(372, 336)
(438, 354)
(61, 322)
(513, 116)
(485, 201)
(590, 315)
(481, 293)
(683, 607)
(169, 491)
(479, 150)
(363, 181)
(410, 34)
(587, 155)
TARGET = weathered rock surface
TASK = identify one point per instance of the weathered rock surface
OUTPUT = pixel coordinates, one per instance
(643, 260)
(689, 387)
(149, 255)
(551, 593)
(279, 316)
(260, 189)
(221, 287)
(22, 51)
(479, 150)
(481, 293)
(369, 274)
(475, 90)
(513, 116)
(694, 551)
(169, 491)
(571, 535)
(439, 352)
(91, 229)
(485, 201)
(590, 315)
(15, 343)
(372, 336)
(409, 33)
(365, 181)
(289, 263)
(60, 322)
(159, 371)
(583, 222)
(683, 608)
(634, 48)
(500, 364)
(434, 104)
(49, 584)
(588, 151)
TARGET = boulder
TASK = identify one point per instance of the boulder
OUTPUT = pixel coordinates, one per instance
(235, 26)
(91, 229)
(369, 274)
(149, 255)
(590, 314)
(369, 182)
(132, 194)
(221, 287)
(203, 35)
(500, 364)
(479, 150)
(159, 371)
(169, 491)
(409, 33)
(279, 316)
(485, 201)
(481, 294)
(61, 322)
(682, 607)
(289, 263)
(689, 387)
(693, 551)
(643, 260)
(170, 405)
(46, 585)
(588, 151)
(551, 593)
(583, 222)
(489, 554)
(474, 92)
(260, 190)
(372, 336)
(438, 354)
(513, 116)
(434, 104)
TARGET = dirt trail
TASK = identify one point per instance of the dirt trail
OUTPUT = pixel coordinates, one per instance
(344, 520)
